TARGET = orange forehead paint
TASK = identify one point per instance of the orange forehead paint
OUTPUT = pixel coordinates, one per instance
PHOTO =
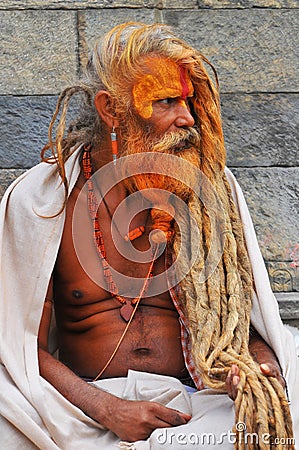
(166, 79)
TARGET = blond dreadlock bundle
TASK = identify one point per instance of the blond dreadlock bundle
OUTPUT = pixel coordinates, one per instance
(218, 304)
(218, 312)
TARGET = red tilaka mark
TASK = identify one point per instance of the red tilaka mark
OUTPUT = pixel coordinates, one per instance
(185, 89)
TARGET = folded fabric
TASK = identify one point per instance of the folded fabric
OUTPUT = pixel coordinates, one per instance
(32, 413)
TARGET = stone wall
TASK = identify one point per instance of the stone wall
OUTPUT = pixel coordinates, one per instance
(252, 44)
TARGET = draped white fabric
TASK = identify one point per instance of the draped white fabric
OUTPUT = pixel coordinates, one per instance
(32, 413)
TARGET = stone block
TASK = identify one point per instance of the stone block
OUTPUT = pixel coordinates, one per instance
(288, 305)
(89, 4)
(24, 123)
(289, 308)
(247, 4)
(178, 4)
(96, 4)
(80, 4)
(272, 197)
(94, 24)
(38, 51)
(253, 50)
(7, 176)
(261, 130)
(284, 275)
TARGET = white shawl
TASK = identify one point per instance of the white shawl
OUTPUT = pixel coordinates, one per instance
(29, 406)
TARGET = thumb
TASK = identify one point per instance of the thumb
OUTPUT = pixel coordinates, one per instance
(265, 369)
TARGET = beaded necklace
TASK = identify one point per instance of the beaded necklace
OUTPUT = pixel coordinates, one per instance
(128, 307)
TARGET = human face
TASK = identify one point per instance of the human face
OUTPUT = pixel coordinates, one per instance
(161, 96)
(161, 123)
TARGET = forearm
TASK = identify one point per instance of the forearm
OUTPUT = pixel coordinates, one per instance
(265, 357)
(260, 350)
(112, 412)
(94, 402)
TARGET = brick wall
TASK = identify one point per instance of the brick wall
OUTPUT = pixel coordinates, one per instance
(254, 47)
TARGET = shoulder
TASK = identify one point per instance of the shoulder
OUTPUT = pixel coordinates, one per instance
(40, 189)
(30, 185)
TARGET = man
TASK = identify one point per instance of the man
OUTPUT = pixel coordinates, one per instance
(141, 303)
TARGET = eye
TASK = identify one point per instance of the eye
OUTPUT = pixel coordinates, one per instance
(166, 101)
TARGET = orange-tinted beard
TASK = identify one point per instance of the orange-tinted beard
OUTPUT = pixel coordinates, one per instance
(137, 138)
(159, 189)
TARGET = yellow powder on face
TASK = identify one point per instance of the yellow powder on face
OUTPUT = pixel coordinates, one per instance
(165, 80)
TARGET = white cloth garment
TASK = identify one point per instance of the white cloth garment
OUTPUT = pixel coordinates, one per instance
(32, 413)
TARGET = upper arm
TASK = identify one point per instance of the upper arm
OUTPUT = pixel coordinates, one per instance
(44, 326)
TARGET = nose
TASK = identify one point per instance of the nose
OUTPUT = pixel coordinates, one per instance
(184, 117)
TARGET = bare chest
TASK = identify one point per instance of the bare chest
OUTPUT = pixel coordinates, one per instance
(80, 277)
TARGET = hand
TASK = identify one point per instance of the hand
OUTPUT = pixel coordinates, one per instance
(273, 370)
(265, 357)
(129, 420)
(136, 420)
(270, 369)
(232, 381)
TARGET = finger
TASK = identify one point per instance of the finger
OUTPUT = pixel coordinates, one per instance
(272, 371)
(184, 415)
(162, 424)
(232, 381)
(229, 386)
(228, 380)
(235, 370)
(172, 417)
(265, 369)
(236, 381)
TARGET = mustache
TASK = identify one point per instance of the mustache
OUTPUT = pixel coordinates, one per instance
(175, 141)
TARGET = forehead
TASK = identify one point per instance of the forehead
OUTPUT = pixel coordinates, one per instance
(162, 78)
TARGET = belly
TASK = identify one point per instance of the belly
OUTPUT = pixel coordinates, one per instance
(152, 344)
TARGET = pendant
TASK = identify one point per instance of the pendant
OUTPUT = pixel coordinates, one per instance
(134, 234)
(126, 311)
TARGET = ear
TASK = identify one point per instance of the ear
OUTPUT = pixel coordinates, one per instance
(104, 105)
